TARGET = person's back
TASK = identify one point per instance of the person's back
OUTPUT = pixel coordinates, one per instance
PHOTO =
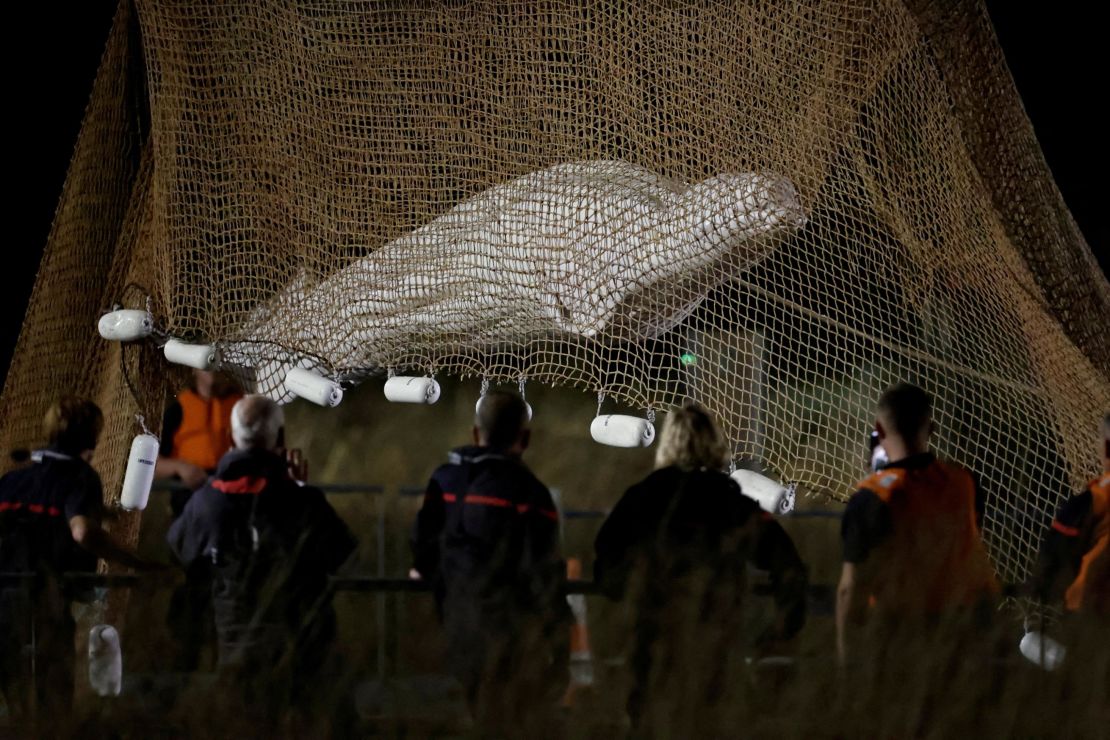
(928, 556)
(677, 545)
(499, 532)
(487, 537)
(672, 525)
(34, 501)
(1073, 571)
(270, 544)
(913, 553)
(50, 514)
(917, 595)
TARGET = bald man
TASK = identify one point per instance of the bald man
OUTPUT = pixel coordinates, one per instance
(271, 543)
(487, 537)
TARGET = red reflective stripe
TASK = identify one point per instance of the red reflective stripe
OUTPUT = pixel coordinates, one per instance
(523, 508)
(487, 500)
(449, 498)
(33, 508)
(1065, 529)
(502, 503)
(246, 484)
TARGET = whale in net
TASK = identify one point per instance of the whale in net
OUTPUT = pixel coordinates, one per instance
(593, 248)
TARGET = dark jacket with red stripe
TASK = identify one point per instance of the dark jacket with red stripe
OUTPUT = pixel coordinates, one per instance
(271, 544)
(488, 532)
(36, 504)
(1073, 549)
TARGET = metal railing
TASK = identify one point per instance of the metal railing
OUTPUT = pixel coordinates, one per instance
(378, 582)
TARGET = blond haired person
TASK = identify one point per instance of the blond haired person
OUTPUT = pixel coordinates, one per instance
(677, 546)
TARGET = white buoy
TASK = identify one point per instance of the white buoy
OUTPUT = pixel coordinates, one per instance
(200, 356)
(412, 389)
(313, 387)
(140, 472)
(618, 430)
(1042, 650)
(105, 660)
(768, 493)
(125, 325)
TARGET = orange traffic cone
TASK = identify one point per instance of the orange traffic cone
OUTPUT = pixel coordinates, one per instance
(581, 660)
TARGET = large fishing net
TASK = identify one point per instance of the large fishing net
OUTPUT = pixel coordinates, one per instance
(777, 209)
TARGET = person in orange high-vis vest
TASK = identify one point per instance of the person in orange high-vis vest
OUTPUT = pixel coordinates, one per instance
(196, 431)
(1074, 565)
(913, 554)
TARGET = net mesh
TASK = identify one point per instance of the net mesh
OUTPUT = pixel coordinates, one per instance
(777, 209)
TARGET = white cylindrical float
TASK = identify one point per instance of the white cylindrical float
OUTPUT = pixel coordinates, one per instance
(140, 472)
(125, 325)
(105, 660)
(1042, 650)
(199, 356)
(411, 389)
(766, 492)
(618, 430)
(313, 387)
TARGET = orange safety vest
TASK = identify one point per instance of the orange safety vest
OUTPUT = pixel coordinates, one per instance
(205, 432)
(934, 559)
(1100, 516)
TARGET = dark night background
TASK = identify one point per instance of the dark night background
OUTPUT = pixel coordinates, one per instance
(1056, 53)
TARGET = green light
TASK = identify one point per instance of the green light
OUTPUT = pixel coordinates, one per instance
(688, 358)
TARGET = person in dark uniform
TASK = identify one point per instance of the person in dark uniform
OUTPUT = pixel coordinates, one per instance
(487, 539)
(1073, 570)
(50, 524)
(678, 545)
(1070, 568)
(270, 543)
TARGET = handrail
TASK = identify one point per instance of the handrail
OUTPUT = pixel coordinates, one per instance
(170, 486)
(355, 583)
